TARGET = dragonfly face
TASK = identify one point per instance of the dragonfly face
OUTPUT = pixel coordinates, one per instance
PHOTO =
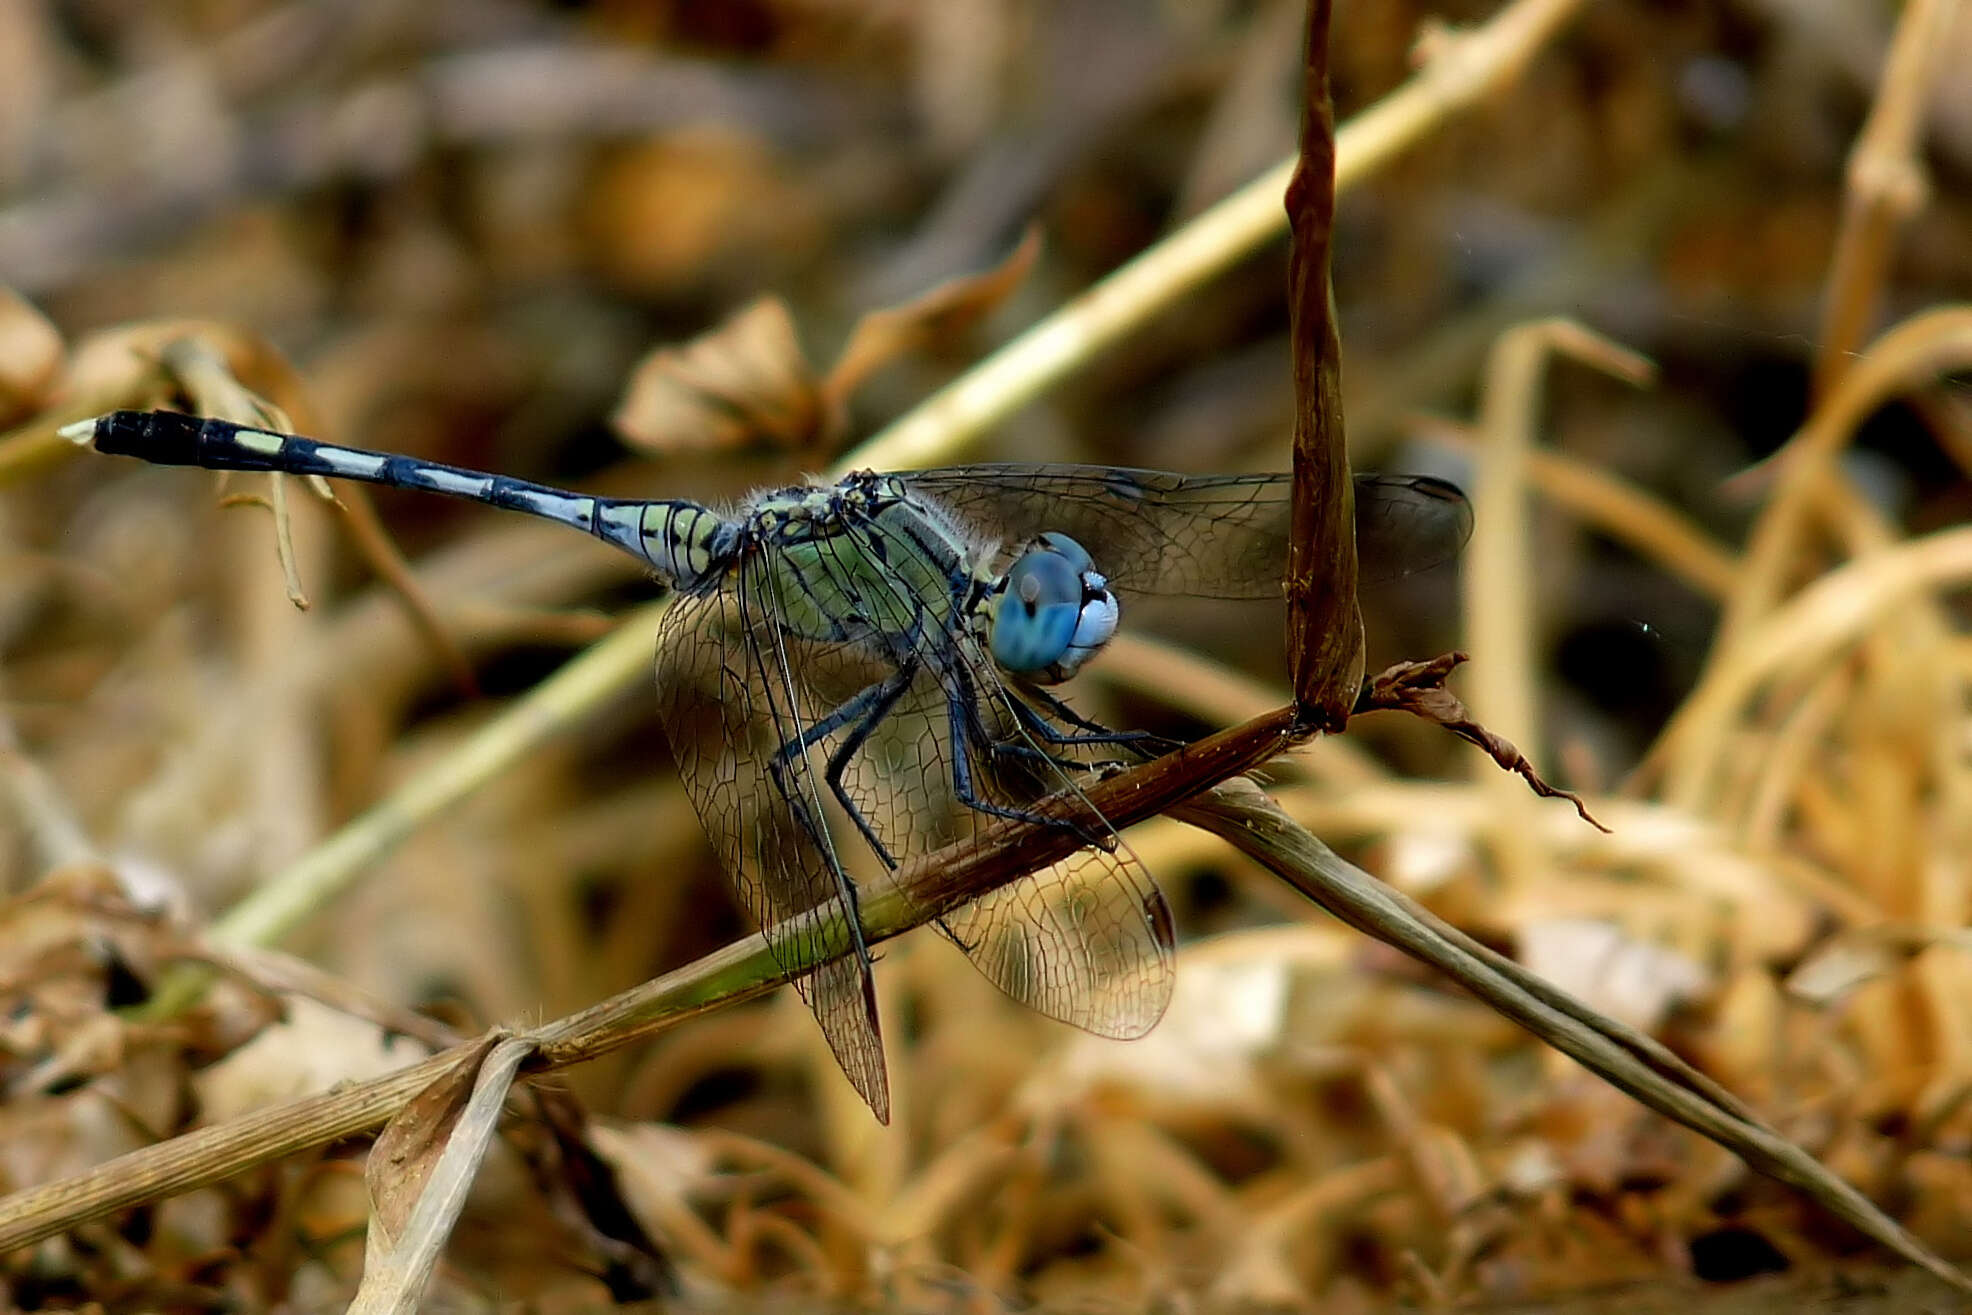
(1053, 612)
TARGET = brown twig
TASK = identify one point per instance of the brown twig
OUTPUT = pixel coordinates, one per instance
(1324, 622)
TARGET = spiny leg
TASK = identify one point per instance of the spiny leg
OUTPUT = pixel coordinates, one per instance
(892, 688)
(1097, 733)
(778, 765)
(961, 703)
(866, 710)
(1037, 725)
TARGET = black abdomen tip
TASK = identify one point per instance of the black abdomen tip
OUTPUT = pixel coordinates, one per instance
(165, 437)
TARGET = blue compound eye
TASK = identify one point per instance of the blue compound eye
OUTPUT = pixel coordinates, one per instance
(1054, 611)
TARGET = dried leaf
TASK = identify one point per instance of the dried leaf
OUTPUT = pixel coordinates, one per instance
(659, 1170)
(707, 205)
(748, 382)
(929, 320)
(121, 366)
(1845, 961)
(586, 1196)
(1606, 968)
(744, 382)
(309, 1051)
(1419, 689)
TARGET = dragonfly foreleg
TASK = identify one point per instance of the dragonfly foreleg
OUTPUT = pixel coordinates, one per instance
(961, 702)
(1094, 731)
(887, 692)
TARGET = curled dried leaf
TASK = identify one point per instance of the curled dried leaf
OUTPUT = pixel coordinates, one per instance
(743, 382)
(1419, 689)
(748, 382)
(123, 366)
(931, 319)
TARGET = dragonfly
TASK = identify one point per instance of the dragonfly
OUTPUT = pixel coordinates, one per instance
(857, 673)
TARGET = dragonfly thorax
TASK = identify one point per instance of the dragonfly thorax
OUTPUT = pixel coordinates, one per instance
(1051, 613)
(859, 562)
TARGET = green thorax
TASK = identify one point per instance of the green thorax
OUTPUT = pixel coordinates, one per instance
(862, 561)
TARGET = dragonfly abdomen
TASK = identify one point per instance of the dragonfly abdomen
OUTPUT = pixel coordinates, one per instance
(682, 541)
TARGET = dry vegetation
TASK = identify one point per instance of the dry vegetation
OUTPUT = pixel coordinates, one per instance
(1722, 594)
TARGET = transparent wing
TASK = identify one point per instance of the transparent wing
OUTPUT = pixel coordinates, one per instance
(1087, 940)
(730, 700)
(1211, 536)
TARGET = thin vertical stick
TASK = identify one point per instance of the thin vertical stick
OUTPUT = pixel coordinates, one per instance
(1324, 623)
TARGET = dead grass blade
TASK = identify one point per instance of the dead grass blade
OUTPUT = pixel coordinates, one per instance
(1838, 609)
(1624, 512)
(1243, 815)
(1888, 185)
(440, 1139)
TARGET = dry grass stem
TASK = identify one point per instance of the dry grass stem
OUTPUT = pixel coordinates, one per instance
(1888, 185)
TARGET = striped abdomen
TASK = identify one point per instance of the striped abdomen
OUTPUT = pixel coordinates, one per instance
(682, 541)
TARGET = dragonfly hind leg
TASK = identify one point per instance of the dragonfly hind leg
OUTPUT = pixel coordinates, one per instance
(862, 713)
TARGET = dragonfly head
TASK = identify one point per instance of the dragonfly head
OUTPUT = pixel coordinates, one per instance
(1053, 611)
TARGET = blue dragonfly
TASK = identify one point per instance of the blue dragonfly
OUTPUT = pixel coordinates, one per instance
(856, 673)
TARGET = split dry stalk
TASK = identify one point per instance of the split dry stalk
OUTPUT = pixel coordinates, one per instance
(1324, 619)
(1888, 185)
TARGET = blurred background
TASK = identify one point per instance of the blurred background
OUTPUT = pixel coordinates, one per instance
(462, 229)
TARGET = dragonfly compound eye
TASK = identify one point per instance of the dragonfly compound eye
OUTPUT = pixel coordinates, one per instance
(1054, 612)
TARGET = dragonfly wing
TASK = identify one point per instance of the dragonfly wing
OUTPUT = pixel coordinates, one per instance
(731, 698)
(1087, 940)
(1209, 536)
(1408, 523)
